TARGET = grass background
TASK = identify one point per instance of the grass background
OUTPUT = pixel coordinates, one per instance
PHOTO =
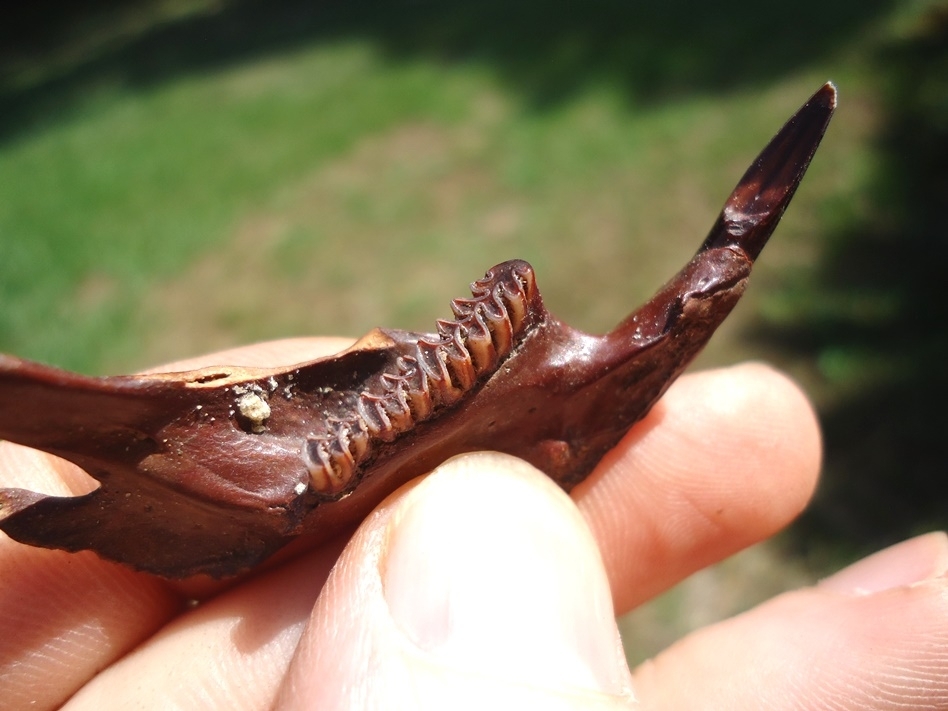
(183, 175)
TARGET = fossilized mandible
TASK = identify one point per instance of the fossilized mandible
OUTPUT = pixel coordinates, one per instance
(211, 471)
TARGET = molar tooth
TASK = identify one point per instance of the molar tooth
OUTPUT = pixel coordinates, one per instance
(417, 391)
(515, 304)
(480, 345)
(431, 364)
(322, 475)
(484, 284)
(527, 278)
(342, 463)
(449, 330)
(461, 308)
(459, 364)
(396, 407)
(448, 391)
(501, 331)
(435, 371)
(420, 403)
(376, 419)
(492, 308)
(390, 382)
(357, 439)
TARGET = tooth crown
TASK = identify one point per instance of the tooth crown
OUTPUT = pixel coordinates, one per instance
(436, 373)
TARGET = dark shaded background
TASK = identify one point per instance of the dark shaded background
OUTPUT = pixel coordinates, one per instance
(545, 49)
(885, 474)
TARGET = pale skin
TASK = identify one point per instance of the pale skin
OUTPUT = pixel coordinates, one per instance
(483, 585)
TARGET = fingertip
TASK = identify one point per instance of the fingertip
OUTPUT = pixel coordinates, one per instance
(915, 560)
(777, 414)
(756, 420)
(727, 458)
(66, 616)
(483, 573)
(813, 648)
(476, 551)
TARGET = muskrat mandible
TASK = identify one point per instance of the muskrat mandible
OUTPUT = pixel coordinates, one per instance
(211, 471)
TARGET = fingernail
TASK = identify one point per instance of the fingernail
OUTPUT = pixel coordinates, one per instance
(913, 561)
(490, 576)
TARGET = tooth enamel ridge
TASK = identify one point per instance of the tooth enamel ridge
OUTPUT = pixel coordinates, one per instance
(442, 368)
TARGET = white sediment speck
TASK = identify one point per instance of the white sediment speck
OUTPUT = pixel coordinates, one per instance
(255, 410)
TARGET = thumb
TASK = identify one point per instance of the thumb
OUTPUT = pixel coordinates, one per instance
(480, 585)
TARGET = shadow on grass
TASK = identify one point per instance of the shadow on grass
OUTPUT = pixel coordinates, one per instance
(886, 472)
(544, 50)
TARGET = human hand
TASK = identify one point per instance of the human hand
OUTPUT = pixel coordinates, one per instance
(483, 584)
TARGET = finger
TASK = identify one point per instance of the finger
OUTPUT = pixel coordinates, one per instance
(229, 653)
(64, 616)
(833, 646)
(479, 585)
(724, 460)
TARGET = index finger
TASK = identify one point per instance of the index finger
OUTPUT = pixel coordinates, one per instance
(724, 460)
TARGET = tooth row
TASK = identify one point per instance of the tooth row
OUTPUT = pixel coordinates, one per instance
(438, 374)
(332, 459)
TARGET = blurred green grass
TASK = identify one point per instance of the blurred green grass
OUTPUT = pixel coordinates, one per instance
(98, 208)
(123, 163)
(182, 176)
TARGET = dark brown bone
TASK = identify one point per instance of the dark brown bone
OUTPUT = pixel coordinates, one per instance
(211, 471)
